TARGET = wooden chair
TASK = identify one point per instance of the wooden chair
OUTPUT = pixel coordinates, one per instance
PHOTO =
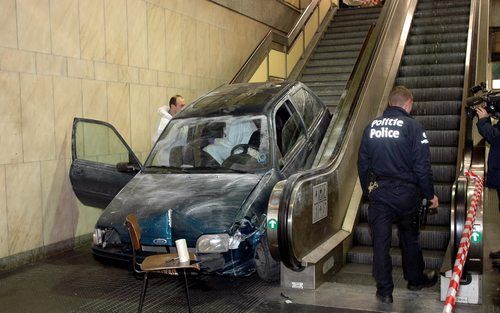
(161, 263)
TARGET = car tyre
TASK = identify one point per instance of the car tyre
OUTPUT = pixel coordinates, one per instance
(267, 268)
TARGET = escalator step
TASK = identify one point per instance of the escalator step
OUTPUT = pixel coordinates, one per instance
(326, 77)
(442, 138)
(438, 29)
(432, 70)
(358, 11)
(366, 16)
(443, 12)
(338, 48)
(442, 218)
(443, 155)
(437, 38)
(436, 107)
(352, 23)
(343, 36)
(327, 84)
(431, 237)
(328, 70)
(439, 122)
(335, 55)
(348, 29)
(364, 255)
(437, 94)
(339, 42)
(443, 172)
(431, 81)
(441, 4)
(443, 190)
(435, 48)
(442, 58)
(323, 93)
(441, 20)
(331, 62)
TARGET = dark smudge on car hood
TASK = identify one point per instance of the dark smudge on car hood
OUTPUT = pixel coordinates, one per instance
(200, 203)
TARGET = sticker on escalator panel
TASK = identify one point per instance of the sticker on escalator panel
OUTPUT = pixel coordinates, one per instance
(272, 223)
(320, 202)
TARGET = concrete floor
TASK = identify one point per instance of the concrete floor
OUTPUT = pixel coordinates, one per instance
(74, 282)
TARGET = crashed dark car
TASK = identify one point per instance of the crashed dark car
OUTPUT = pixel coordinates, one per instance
(208, 177)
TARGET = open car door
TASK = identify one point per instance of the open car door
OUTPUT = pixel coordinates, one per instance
(102, 163)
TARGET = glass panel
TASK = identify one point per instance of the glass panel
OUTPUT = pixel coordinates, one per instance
(288, 129)
(96, 142)
(307, 106)
(217, 144)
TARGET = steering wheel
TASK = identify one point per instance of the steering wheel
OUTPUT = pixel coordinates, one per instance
(243, 146)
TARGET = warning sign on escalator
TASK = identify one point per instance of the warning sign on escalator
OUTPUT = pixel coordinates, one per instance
(320, 202)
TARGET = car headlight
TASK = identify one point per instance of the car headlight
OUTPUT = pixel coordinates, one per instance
(97, 236)
(212, 243)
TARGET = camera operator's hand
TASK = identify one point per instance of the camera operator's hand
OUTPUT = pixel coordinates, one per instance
(481, 113)
(434, 203)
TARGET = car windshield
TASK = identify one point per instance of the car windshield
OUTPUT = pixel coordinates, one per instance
(212, 144)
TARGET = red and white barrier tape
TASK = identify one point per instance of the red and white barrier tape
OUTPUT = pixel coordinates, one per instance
(463, 250)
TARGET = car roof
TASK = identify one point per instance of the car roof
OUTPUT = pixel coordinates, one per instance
(237, 99)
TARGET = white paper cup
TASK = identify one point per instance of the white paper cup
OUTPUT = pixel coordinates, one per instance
(182, 250)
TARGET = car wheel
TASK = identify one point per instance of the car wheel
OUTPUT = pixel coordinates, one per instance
(267, 268)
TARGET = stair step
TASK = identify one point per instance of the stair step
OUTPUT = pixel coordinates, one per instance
(334, 55)
(358, 11)
(331, 62)
(364, 255)
(432, 70)
(327, 84)
(351, 22)
(366, 16)
(338, 48)
(417, 82)
(441, 58)
(325, 77)
(348, 29)
(437, 38)
(441, 20)
(462, 10)
(343, 36)
(441, 4)
(433, 29)
(328, 70)
(340, 42)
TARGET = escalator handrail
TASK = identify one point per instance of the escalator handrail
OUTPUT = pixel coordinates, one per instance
(254, 60)
(459, 197)
(347, 103)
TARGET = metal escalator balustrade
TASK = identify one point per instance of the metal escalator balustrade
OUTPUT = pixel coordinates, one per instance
(433, 68)
(330, 66)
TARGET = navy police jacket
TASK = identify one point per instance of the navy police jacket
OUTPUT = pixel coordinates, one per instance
(395, 146)
(492, 135)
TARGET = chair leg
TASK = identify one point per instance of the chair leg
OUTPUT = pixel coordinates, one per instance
(143, 293)
(187, 291)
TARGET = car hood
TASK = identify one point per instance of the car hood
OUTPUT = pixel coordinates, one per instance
(174, 206)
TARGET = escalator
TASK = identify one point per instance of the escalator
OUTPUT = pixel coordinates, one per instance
(433, 67)
(329, 68)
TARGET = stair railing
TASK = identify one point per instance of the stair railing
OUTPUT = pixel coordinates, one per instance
(276, 55)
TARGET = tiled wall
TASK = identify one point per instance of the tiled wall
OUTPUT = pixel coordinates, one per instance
(114, 60)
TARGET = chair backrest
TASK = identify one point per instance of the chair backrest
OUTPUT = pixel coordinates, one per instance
(134, 230)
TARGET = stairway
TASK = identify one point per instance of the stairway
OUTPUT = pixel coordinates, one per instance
(329, 67)
(432, 67)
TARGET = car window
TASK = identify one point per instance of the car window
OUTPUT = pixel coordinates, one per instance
(217, 144)
(288, 128)
(99, 143)
(307, 105)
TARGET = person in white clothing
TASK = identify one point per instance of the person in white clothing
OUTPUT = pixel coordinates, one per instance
(175, 105)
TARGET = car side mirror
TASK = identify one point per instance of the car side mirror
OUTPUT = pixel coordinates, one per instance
(125, 167)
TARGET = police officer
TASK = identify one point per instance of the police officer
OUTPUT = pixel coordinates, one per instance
(395, 172)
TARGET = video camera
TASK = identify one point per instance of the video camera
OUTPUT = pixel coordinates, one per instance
(490, 100)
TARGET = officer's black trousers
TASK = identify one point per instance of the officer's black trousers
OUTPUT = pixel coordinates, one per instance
(396, 202)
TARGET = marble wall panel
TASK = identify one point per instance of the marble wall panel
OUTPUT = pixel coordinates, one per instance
(80, 68)
(188, 34)
(8, 27)
(65, 28)
(24, 203)
(33, 22)
(139, 118)
(105, 71)
(156, 37)
(148, 77)
(166, 79)
(17, 61)
(4, 235)
(47, 64)
(173, 26)
(116, 31)
(127, 74)
(92, 33)
(10, 119)
(67, 104)
(137, 23)
(95, 99)
(58, 204)
(203, 49)
(119, 108)
(182, 81)
(37, 117)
